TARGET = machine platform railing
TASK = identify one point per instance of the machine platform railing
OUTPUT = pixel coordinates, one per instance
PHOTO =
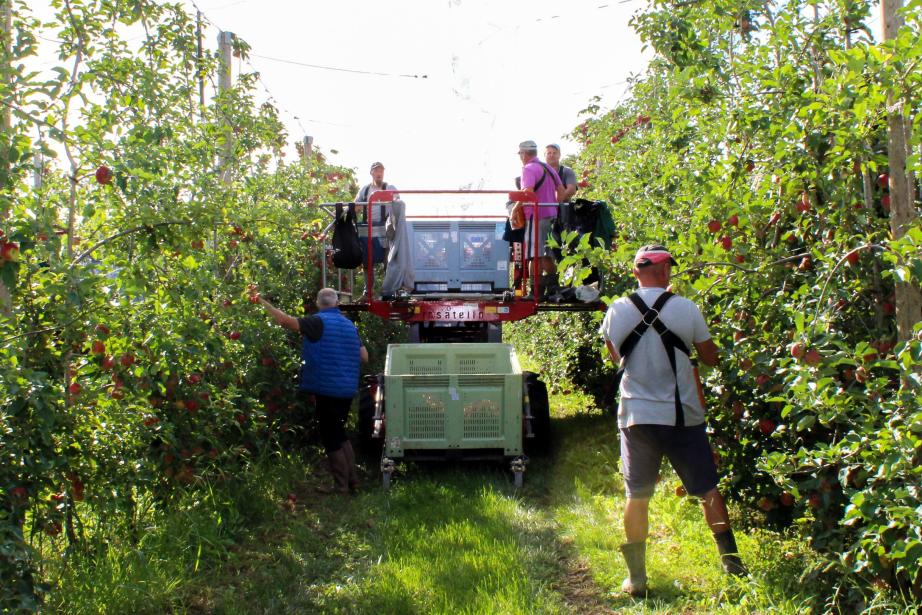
(451, 307)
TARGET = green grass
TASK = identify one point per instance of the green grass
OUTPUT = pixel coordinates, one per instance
(447, 538)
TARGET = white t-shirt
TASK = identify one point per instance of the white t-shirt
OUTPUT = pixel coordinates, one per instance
(648, 386)
(377, 230)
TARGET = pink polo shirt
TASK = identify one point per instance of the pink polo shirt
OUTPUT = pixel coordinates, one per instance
(547, 192)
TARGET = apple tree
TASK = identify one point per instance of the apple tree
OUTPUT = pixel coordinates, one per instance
(133, 365)
(755, 147)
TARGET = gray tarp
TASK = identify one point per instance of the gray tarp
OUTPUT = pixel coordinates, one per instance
(400, 274)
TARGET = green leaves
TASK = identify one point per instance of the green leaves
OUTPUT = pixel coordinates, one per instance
(784, 129)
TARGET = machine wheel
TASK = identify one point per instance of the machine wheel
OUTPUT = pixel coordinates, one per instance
(540, 408)
(371, 447)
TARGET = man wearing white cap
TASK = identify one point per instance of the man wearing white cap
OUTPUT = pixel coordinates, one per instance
(650, 334)
(378, 215)
(543, 181)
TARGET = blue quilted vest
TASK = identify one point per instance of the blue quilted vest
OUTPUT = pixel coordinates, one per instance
(330, 366)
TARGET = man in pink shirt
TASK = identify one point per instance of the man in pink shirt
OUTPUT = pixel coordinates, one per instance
(542, 180)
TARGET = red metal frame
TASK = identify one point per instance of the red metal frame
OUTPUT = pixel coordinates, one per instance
(455, 310)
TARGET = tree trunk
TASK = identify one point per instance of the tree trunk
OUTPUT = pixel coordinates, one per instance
(903, 215)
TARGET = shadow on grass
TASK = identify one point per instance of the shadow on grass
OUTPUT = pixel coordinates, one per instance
(584, 492)
(456, 537)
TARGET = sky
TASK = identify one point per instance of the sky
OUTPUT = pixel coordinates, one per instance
(496, 73)
(440, 91)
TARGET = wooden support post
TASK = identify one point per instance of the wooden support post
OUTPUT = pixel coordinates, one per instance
(6, 298)
(200, 62)
(38, 166)
(307, 149)
(225, 42)
(903, 215)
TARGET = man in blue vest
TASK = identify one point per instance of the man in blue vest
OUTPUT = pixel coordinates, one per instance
(331, 351)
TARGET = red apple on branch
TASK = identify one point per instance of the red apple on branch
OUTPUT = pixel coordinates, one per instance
(103, 175)
(852, 258)
(812, 357)
(9, 251)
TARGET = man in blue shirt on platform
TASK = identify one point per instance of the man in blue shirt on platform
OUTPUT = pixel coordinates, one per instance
(331, 352)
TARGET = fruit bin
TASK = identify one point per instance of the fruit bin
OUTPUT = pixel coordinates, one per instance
(452, 400)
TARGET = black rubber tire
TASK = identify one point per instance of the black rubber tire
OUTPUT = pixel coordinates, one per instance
(540, 444)
(371, 447)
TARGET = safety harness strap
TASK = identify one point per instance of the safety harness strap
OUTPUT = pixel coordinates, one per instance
(649, 316)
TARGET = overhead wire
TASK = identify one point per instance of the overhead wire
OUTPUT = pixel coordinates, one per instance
(339, 69)
(274, 99)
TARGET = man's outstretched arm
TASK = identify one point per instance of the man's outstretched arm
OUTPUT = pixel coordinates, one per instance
(280, 317)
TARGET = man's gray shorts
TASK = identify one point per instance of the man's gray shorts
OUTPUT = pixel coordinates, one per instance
(687, 448)
(544, 229)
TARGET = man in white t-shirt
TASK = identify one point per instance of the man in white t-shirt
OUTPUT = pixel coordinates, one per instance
(661, 412)
(379, 215)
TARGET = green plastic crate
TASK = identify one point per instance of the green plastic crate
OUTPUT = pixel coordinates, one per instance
(452, 397)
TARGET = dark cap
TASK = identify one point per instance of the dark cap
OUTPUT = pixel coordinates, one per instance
(652, 254)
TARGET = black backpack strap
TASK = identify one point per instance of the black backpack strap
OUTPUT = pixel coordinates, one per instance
(540, 180)
(363, 198)
(560, 174)
(671, 341)
(547, 172)
(345, 215)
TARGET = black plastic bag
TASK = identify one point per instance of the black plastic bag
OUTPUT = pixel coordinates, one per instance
(347, 250)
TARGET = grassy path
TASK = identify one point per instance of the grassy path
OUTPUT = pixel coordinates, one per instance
(457, 538)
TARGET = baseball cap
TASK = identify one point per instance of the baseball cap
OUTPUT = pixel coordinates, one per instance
(528, 146)
(375, 165)
(554, 145)
(652, 254)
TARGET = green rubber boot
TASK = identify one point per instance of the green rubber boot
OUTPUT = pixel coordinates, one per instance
(729, 555)
(635, 555)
